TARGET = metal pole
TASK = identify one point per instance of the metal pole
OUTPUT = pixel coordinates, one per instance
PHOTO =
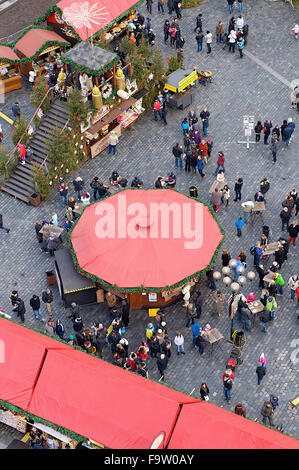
(231, 317)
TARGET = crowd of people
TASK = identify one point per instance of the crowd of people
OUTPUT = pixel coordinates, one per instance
(193, 154)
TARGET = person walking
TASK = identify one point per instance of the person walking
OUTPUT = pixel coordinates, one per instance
(225, 257)
(7, 230)
(22, 152)
(238, 189)
(203, 150)
(230, 5)
(267, 413)
(220, 162)
(273, 148)
(112, 142)
(209, 39)
(78, 186)
(35, 305)
(240, 410)
(247, 209)
(258, 130)
(166, 28)
(149, 5)
(239, 224)
(240, 5)
(63, 191)
(204, 392)
(288, 131)
(201, 342)
(279, 281)
(293, 230)
(228, 380)
(198, 23)
(161, 6)
(225, 195)
(261, 368)
(170, 6)
(232, 37)
(195, 332)
(20, 309)
(59, 328)
(198, 304)
(219, 31)
(266, 129)
(47, 298)
(246, 318)
(285, 218)
(218, 302)
(16, 111)
(200, 166)
(179, 342)
(216, 199)
(199, 39)
(162, 362)
(241, 44)
(204, 115)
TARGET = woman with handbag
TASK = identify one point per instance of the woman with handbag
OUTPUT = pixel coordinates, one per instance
(204, 392)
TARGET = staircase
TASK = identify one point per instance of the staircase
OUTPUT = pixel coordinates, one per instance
(20, 184)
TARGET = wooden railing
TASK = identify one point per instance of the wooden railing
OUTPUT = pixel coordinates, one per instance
(27, 128)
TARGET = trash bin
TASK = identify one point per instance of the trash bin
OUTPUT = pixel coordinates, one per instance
(35, 199)
(51, 278)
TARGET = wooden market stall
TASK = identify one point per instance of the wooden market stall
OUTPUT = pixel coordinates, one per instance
(147, 257)
(99, 75)
(179, 84)
(37, 47)
(80, 20)
(10, 74)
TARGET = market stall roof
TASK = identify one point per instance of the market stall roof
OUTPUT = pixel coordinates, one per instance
(178, 80)
(7, 54)
(71, 280)
(21, 355)
(206, 426)
(107, 404)
(90, 58)
(89, 17)
(35, 40)
(174, 247)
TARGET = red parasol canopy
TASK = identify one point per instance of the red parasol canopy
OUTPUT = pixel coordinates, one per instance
(151, 238)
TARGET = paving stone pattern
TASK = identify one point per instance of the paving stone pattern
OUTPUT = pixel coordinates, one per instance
(240, 87)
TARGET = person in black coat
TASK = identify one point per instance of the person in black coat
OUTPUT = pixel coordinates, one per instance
(38, 226)
(285, 218)
(13, 298)
(293, 231)
(279, 257)
(162, 362)
(198, 23)
(125, 315)
(154, 346)
(78, 324)
(166, 31)
(198, 304)
(21, 310)
(201, 342)
(258, 130)
(261, 371)
(78, 186)
(261, 274)
(267, 127)
(225, 258)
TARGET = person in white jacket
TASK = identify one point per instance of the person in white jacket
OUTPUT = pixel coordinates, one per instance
(232, 40)
(112, 141)
(179, 341)
(208, 38)
(240, 22)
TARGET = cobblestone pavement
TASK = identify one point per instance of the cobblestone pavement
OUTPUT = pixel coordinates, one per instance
(240, 87)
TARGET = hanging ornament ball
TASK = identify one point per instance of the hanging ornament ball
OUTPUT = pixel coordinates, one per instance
(251, 275)
(216, 275)
(235, 287)
(227, 280)
(233, 263)
(242, 280)
(225, 270)
(241, 269)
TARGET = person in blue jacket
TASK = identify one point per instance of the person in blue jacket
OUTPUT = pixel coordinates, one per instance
(241, 44)
(288, 131)
(239, 224)
(195, 333)
(185, 126)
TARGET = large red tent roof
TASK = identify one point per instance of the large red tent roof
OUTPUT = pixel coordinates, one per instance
(88, 17)
(151, 262)
(114, 407)
(206, 426)
(109, 405)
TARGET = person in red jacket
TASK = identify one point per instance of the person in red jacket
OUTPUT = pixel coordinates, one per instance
(22, 150)
(220, 162)
(203, 149)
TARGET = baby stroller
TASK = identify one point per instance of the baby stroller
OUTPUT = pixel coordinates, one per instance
(234, 359)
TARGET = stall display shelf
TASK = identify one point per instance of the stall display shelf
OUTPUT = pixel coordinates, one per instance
(14, 421)
(127, 118)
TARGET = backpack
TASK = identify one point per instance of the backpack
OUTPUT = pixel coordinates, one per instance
(252, 250)
(228, 383)
(280, 280)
